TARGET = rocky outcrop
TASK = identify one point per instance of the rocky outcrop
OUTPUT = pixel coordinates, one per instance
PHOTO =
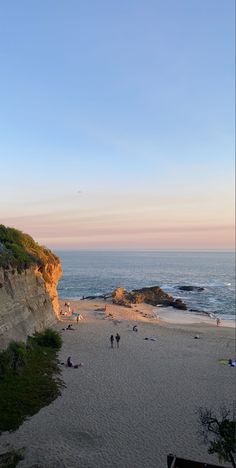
(28, 280)
(153, 295)
(191, 288)
(28, 303)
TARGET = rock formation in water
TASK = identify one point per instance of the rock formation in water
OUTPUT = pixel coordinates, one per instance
(153, 295)
(191, 288)
(29, 275)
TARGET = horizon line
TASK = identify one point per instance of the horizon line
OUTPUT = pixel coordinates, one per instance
(141, 250)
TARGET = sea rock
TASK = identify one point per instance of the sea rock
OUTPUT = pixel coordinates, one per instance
(179, 304)
(191, 288)
(204, 312)
(121, 297)
(153, 295)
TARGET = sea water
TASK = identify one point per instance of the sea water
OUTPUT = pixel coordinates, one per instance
(88, 273)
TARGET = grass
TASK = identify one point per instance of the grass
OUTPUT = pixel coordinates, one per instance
(19, 250)
(28, 384)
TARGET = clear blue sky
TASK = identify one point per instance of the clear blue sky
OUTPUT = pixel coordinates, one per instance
(127, 95)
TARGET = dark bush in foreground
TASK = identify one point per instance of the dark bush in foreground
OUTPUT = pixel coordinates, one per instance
(13, 358)
(48, 338)
(16, 356)
(11, 459)
(219, 432)
(29, 378)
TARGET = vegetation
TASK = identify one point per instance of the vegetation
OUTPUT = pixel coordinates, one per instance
(11, 459)
(20, 251)
(13, 358)
(219, 433)
(29, 378)
(49, 338)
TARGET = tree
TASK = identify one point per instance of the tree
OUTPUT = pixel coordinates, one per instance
(219, 433)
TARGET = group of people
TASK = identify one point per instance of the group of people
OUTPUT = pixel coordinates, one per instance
(112, 339)
(67, 310)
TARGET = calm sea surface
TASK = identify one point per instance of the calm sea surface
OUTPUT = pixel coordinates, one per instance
(92, 273)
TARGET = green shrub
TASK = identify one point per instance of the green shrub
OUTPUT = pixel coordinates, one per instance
(19, 250)
(17, 354)
(48, 338)
(24, 393)
(4, 363)
(13, 358)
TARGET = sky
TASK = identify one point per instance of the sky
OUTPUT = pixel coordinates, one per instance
(117, 123)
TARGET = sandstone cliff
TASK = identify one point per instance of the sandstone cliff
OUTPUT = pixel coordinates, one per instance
(28, 280)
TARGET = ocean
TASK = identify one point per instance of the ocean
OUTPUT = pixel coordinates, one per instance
(88, 273)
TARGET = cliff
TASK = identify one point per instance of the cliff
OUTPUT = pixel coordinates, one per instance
(29, 275)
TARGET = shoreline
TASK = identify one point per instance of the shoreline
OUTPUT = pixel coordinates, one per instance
(163, 316)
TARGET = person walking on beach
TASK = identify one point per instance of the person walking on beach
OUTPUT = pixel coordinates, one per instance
(112, 340)
(117, 340)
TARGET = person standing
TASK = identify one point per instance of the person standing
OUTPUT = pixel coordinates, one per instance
(112, 340)
(117, 340)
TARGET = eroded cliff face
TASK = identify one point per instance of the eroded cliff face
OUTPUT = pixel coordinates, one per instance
(28, 300)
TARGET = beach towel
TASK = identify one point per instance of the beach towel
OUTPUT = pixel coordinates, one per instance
(227, 362)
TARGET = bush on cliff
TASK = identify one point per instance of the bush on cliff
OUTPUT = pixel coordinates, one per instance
(28, 378)
(19, 250)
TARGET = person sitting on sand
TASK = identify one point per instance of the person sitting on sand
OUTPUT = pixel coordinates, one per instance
(135, 328)
(69, 363)
(69, 327)
(232, 363)
(79, 317)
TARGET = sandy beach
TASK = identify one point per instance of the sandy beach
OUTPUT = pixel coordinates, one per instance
(130, 407)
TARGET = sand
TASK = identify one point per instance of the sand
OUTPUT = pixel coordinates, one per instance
(130, 407)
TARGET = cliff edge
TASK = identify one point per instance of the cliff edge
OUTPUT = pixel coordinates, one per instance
(29, 275)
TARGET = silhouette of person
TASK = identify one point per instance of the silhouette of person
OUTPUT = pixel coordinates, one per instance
(117, 340)
(112, 340)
